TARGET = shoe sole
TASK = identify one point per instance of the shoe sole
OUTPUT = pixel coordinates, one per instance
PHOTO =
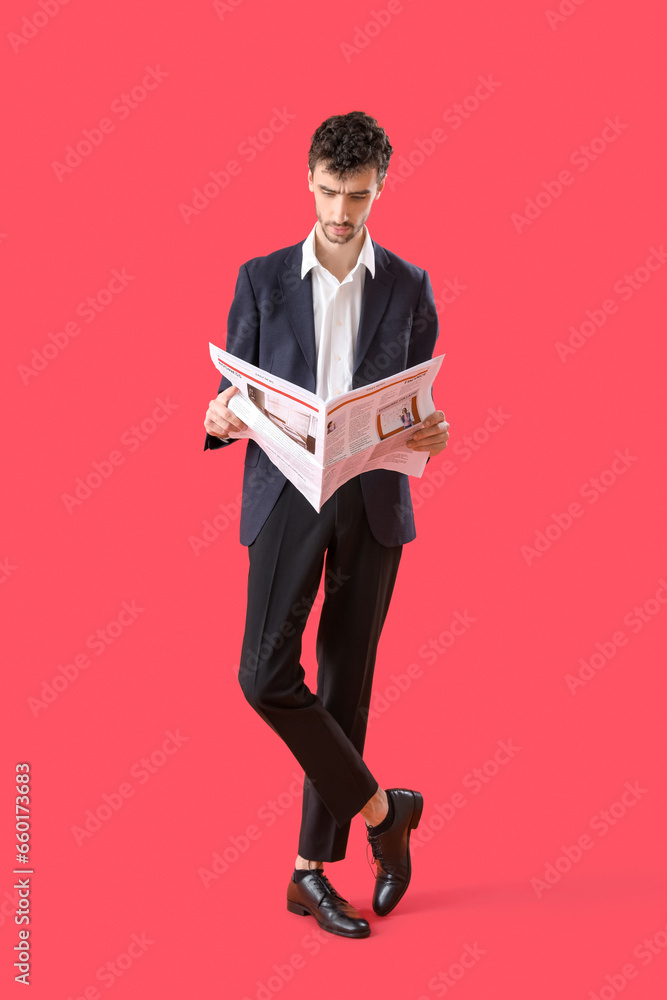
(417, 810)
(303, 911)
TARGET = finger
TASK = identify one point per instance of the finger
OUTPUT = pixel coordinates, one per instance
(215, 430)
(235, 422)
(434, 418)
(428, 442)
(229, 414)
(217, 424)
(225, 416)
(426, 432)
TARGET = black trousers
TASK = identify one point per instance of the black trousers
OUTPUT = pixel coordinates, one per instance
(325, 730)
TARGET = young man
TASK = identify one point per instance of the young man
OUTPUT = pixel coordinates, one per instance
(332, 313)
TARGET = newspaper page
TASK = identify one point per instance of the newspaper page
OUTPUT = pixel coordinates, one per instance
(367, 428)
(319, 445)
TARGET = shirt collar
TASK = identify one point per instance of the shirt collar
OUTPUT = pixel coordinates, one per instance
(309, 259)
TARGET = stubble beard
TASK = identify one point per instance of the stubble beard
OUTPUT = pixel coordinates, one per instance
(337, 238)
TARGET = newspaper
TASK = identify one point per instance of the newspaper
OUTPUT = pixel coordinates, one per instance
(319, 445)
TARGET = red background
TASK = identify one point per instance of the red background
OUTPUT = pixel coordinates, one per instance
(67, 573)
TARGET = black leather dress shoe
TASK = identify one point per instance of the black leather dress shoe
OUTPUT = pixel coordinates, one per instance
(391, 850)
(314, 895)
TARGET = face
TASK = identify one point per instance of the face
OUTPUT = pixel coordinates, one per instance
(342, 207)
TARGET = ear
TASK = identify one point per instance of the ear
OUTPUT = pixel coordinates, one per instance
(380, 187)
(310, 180)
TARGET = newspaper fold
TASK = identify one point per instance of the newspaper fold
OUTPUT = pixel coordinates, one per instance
(319, 445)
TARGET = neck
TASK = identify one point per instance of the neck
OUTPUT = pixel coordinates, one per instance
(339, 258)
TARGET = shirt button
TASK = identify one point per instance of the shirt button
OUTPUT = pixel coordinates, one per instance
(338, 357)
(339, 322)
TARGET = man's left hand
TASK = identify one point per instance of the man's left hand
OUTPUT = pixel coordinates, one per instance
(433, 436)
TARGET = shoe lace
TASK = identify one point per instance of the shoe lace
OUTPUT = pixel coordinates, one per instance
(375, 844)
(327, 885)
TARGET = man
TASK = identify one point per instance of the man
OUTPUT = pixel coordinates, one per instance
(332, 313)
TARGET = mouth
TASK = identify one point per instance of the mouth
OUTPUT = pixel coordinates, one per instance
(340, 229)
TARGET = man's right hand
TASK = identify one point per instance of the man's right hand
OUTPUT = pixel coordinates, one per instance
(220, 420)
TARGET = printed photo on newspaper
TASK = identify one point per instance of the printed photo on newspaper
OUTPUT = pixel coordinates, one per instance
(319, 445)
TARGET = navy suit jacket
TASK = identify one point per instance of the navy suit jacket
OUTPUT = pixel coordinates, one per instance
(271, 325)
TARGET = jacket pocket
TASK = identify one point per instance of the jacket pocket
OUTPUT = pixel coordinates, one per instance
(395, 324)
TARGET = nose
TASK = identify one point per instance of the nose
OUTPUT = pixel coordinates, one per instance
(340, 216)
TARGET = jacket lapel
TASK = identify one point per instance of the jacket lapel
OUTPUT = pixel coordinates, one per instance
(298, 300)
(374, 301)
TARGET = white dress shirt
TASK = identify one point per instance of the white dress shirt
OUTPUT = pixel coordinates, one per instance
(336, 312)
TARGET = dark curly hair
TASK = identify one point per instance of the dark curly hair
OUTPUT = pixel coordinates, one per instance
(348, 144)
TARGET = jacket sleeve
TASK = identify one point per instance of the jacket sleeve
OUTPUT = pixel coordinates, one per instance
(242, 337)
(425, 329)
